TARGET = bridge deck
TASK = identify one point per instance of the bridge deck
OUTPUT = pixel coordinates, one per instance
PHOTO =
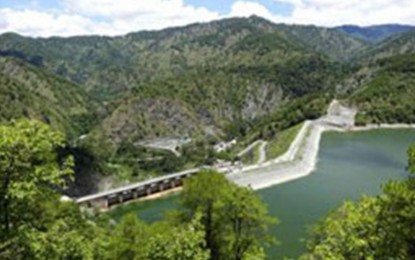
(136, 185)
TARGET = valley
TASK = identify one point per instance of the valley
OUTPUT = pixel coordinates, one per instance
(222, 136)
(241, 78)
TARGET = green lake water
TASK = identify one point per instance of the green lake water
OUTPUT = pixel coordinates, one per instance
(349, 165)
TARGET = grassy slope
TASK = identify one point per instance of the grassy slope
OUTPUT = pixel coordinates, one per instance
(280, 144)
(252, 156)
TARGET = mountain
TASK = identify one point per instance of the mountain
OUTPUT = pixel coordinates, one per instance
(109, 66)
(376, 33)
(250, 69)
(27, 91)
(211, 74)
(330, 41)
(244, 78)
(400, 44)
(383, 87)
(387, 97)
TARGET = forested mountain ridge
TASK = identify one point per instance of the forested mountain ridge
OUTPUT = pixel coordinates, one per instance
(225, 79)
(399, 44)
(233, 69)
(27, 91)
(376, 33)
(332, 42)
(387, 88)
(111, 65)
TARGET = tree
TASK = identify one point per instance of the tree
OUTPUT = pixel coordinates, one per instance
(411, 159)
(29, 167)
(185, 242)
(66, 233)
(234, 219)
(247, 224)
(129, 239)
(205, 194)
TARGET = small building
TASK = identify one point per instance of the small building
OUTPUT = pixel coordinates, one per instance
(223, 146)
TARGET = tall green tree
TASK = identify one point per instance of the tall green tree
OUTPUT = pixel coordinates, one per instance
(29, 167)
(247, 222)
(205, 194)
(235, 220)
(35, 223)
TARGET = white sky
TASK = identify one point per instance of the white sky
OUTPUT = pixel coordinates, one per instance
(116, 17)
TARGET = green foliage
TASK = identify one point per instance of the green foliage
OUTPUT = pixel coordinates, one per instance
(235, 220)
(376, 33)
(293, 113)
(411, 159)
(34, 223)
(28, 166)
(65, 234)
(183, 243)
(252, 156)
(30, 92)
(282, 141)
(399, 44)
(388, 96)
(129, 239)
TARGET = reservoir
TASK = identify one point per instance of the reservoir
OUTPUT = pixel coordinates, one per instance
(349, 166)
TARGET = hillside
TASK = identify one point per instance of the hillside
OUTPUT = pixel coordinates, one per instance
(208, 102)
(109, 66)
(244, 78)
(396, 45)
(27, 91)
(388, 96)
(330, 41)
(236, 69)
(376, 33)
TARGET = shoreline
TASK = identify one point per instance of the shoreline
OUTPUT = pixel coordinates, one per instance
(287, 168)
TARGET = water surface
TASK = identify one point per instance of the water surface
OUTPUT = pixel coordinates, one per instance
(349, 165)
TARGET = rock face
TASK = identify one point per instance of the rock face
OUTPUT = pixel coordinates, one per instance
(340, 115)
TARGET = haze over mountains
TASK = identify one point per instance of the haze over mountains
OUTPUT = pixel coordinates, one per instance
(227, 78)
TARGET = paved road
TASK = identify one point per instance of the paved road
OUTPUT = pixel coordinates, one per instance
(249, 148)
(301, 157)
(262, 153)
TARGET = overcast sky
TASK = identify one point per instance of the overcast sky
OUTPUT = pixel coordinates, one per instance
(117, 17)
